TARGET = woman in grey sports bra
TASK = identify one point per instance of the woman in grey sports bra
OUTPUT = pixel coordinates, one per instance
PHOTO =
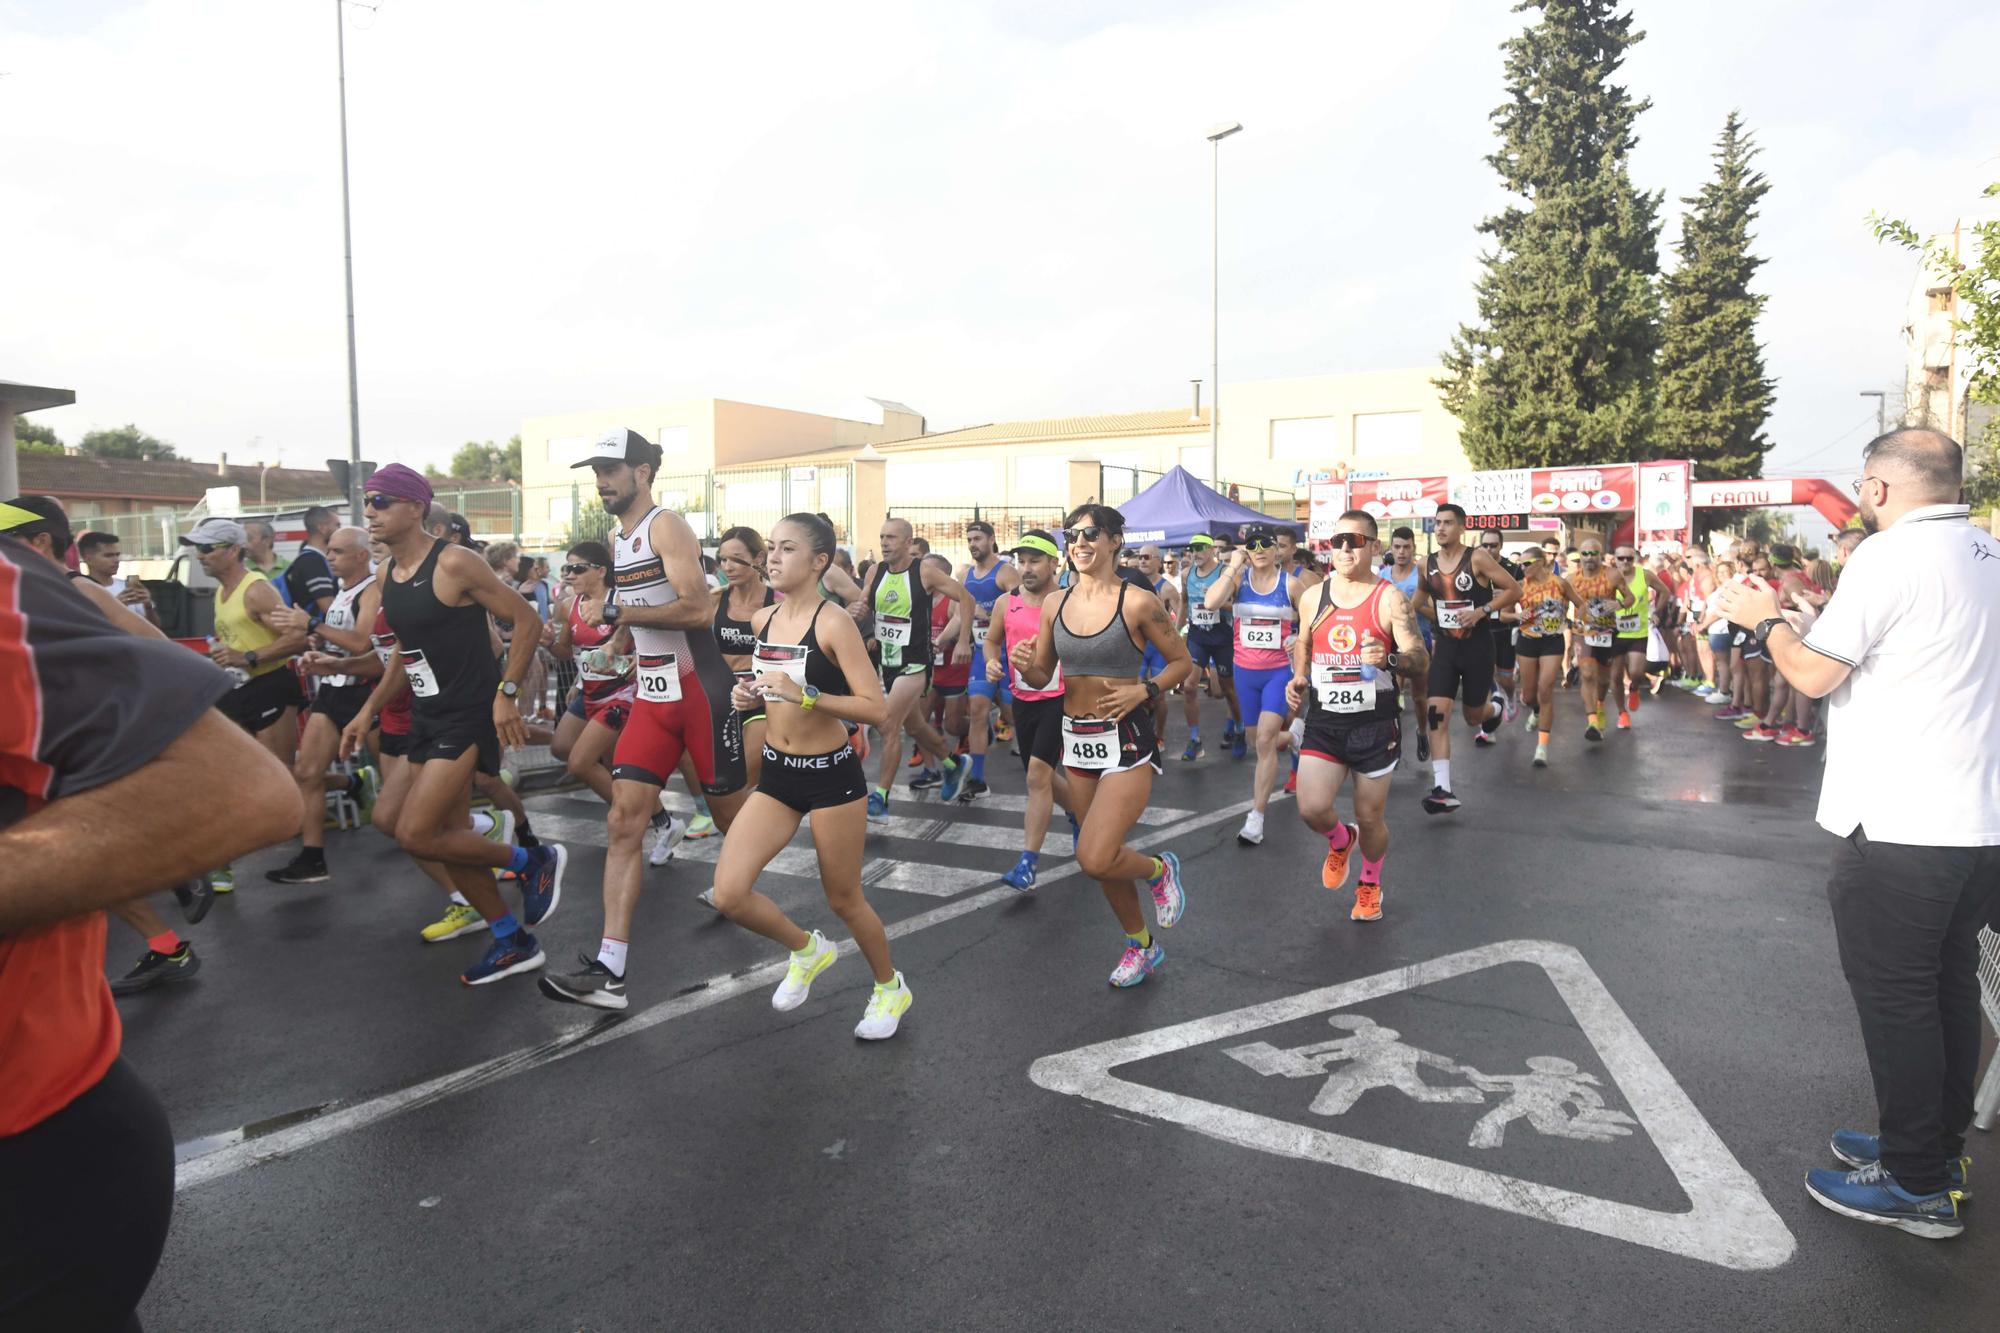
(1097, 630)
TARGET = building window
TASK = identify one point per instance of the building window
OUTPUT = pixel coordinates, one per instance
(1385, 434)
(1305, 439)
(1044, 476)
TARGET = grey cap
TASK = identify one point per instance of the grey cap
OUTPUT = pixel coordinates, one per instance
(217, 532)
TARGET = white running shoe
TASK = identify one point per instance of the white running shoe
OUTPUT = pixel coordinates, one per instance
(667, 840)
(886, 1007)
(1252, 831)
(807, 963)
(501, 834)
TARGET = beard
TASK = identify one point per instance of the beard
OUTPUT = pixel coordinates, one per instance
(1870, 524)
(617, 505)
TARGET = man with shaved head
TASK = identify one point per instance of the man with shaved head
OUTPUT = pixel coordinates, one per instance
(1905, 653)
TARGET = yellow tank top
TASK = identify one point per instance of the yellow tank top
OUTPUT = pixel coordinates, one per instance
(234, 626)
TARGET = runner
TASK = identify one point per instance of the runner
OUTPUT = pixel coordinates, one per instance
(1208, 635)
(1107, 739)
(1360, 633)
(1714, 626)
(1502, 627)
(899, 595)
(1749, 669)
(1634, 628)
(602, 699)
(1545, 595)
(1037, 713)
(1265, 619)
(1598, 595)
(437, 597)
(944, 706)
(987, 578)
(1154, 567)
(342, 692)
(744, 593)
(1456, 596)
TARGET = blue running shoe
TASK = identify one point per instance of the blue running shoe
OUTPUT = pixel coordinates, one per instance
(1239, 746)
(1075, 831)
(517, 953)
(1022, 877)
(541, 882)
(954, 781)
(1857, 1150)
(925, 779)
(878, 808)
(1169, 898)
(1193, 752)
(1872, 1195)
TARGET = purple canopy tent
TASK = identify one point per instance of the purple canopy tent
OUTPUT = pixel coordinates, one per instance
(1179, 506)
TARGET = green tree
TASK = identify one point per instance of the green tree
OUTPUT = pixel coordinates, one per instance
(1713, 394)
(126, 441)
(589, 524)
(1976, 326)
(31, 437)
(1558, 369)
(476, 461)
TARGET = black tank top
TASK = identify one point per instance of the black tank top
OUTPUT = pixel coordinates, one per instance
(822, 672)
(736, 637)
(1461, 585)
(444, 647)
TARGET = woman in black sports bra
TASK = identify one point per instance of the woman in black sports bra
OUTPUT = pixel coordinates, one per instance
(813, 676)
(744, 593)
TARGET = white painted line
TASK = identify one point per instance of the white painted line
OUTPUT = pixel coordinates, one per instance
(999, 837)
(236, 1156)
(681, 804)
(1730, 1223)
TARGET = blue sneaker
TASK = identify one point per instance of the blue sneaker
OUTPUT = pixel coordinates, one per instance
(1872, 1195)
(541, 882)
(1239, 746)
(878, 808)
(954, 781)
(517, 953)
(1075, 831)
(1193, 752)
(1022, 877)
(1857, 1150)
(925, 779)
(1169, 898)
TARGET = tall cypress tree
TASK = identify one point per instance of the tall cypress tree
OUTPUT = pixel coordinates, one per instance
(1714, 396)
(1558, 370)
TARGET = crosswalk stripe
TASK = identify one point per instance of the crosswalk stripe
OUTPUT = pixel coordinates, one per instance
(681, 804)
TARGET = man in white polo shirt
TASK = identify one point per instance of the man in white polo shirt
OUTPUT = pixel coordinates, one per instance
(1909, 651)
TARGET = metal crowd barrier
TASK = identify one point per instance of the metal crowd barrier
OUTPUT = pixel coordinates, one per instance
(1987, 1103)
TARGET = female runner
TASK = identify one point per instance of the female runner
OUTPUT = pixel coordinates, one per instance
(1097, 631)
(603, 656)
(1545, 596)
(744, 593)
(813, 676)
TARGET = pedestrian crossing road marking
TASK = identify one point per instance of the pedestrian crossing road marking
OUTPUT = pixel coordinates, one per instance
(1730, 1223)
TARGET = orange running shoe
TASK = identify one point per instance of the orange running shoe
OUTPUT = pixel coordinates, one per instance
(1334, 873)
(1367, 902)
(1624, 720)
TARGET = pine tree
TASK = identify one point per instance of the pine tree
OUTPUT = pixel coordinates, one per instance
(1558, 370)
(1713, 394)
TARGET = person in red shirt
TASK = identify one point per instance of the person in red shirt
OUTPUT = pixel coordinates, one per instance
(108, 743)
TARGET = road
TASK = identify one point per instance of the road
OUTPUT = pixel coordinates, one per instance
(1299, 1122)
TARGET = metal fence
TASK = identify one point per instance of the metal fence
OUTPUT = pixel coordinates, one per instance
(1116, 485)
(754, 497)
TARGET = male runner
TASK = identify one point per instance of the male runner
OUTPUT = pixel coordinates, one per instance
(1359, 632)
(1017, 618)
(1634, 624)
(1552, 552)
(436, 597)
(1209, 645)
(900, 590)
(309, 582)
(1603, 594)
(683, 707)
(987, 578)
(1154, 566)
(1461, 587)
(260, 553)
(342, 692)
(1502, 628)
(100, 554)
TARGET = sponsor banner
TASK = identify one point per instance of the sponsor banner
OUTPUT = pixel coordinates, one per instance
(1400, 497)
(1508, 492)
(1663, 496)
(1584, 490)
(1539, 523)
(1742, 494)
(1328, 502)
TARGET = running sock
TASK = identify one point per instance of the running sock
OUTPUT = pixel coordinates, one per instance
(518, 860)
(459, 898)
(1371, 871)
(812, 943)
(883, 792)
(611, 953)
(701, 805)
(1442, 767)
(891, 985)
(1143, 940)
(1338, 837)
(979, 768)
(164, 942)
(1542, 737)
(525, 835)
(482, 822)
(505, 926)
(1194, 735)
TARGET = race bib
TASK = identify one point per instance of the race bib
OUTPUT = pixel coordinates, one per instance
(785, 658)
(980, 624)
(659, 678)
(1089, 743)
(1342, 691)
(1628, 623)
(1597, 638)
(893, 631)
(385, 644)
(1203, 618)
(1265, 634)
(1454, 615)
(423, 680)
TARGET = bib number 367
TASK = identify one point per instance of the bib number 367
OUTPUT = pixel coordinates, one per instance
(659, 678)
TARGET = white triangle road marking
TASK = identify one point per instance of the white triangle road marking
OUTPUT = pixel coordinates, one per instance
(1730, 1223)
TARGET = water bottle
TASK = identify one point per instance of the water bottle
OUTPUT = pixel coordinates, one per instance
(1368, 672)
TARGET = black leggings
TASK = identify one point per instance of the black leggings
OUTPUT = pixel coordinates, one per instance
(84, 1201)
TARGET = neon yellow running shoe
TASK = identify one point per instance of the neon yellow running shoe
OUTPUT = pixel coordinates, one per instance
(807, 963)
(458, 919)
(886, 1008)
(701, 826)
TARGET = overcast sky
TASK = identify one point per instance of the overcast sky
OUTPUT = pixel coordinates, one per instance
(986, 211)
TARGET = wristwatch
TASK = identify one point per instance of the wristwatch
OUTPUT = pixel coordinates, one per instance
(250, 659)
(1152, 690)
(509, 688)
(609, 615)
(1764, 628)
(808, 697)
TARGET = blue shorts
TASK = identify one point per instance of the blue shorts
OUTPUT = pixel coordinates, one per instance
(1259, 692)
(1212, 648)
(1152, 664)
(978, 687)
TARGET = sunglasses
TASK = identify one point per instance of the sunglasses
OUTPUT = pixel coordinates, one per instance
(384, 501)
(1258, 544)
(1623, 559)
(1350, 541)
(578, 570)
(207, 548)
(1089, 534)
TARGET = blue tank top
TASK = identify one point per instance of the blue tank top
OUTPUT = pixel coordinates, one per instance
(984, 588)
(1408, 587)
(1198, 585)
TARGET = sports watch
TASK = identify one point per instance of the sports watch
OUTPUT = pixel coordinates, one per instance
(1152, 690)
(511, 689)
(250, 659)
(1764, 628)
(808, 697)
(609, 615)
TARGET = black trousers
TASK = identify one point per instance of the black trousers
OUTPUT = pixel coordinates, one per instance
(1907, 919)
(84, 1201)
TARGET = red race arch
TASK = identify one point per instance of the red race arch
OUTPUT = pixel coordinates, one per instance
(1834, 506)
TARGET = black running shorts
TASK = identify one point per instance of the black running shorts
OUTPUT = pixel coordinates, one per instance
(1462, 664)
(808, 782)
(1038, 730)
(262, 700)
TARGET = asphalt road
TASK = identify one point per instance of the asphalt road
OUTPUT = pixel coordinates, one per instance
(367, 1144)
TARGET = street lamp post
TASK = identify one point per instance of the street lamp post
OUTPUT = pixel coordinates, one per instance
(354, 478)
(1881, 409)
(1215, 138)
